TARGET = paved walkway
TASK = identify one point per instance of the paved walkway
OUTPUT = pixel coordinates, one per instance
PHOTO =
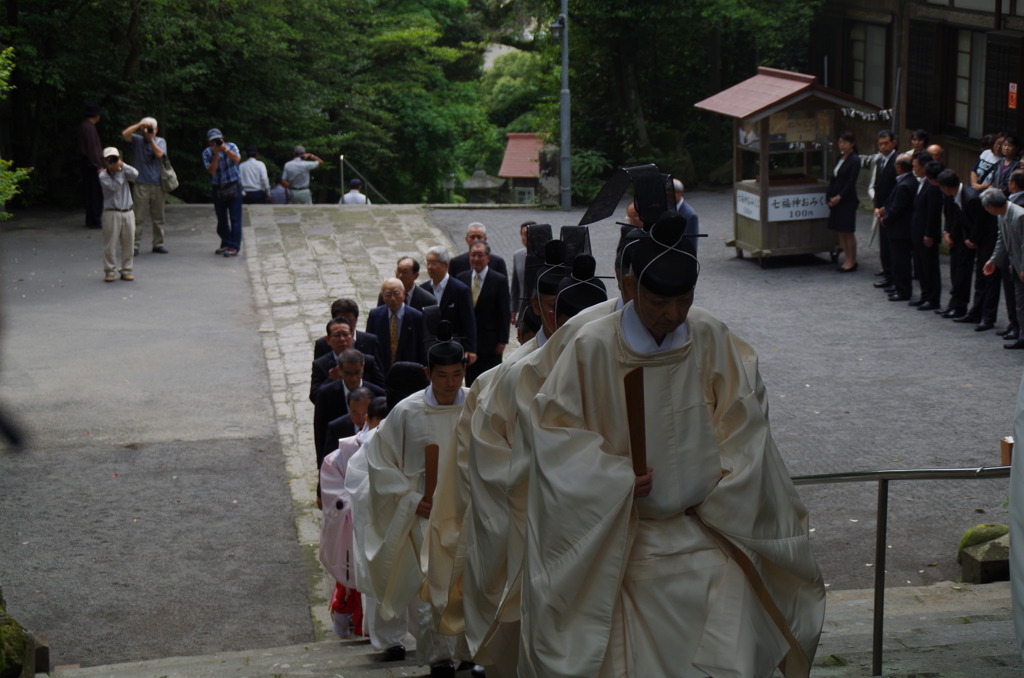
(301, 258)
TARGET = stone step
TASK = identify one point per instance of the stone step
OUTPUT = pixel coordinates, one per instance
(946, 629)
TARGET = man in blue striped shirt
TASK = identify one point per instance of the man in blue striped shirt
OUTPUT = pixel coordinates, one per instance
(221, 159)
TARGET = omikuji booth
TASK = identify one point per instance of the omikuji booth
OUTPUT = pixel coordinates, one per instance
(785, 123)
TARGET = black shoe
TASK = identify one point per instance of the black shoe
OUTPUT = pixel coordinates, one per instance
(443, 669)
(395, 653)
(947, 309)
(881, 283)
(136, 252)
(160, 249)
(1017, 344)
(891, 289)
(984, 326)
(929, 306)
(1012, 336)
(916, 302)
(967, 318)
(898, 297)
(848, 270)
(954, 313)
(881, 273)
(220, 250)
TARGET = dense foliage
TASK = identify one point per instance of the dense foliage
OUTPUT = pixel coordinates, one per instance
(396, 86)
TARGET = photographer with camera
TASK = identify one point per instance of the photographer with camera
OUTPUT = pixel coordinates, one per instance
(118, 219)
(148, 151)
(296, 175)
(221, 159)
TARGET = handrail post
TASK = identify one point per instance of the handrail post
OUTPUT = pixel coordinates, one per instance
(880, 529)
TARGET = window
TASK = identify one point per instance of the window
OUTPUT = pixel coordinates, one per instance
(524, 195)
(969, 82)
(869, 46)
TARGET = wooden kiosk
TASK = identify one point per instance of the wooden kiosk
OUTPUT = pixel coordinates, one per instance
(783, 122)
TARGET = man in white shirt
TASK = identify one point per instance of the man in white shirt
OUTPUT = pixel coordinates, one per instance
(253, 175)
(296, 175)
(355, 195)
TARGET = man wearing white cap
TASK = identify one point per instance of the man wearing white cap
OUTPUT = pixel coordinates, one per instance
(296, 174)
(118, 219)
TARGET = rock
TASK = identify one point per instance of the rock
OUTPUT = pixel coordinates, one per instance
(17, 651)
(979, 534)
(987, 562)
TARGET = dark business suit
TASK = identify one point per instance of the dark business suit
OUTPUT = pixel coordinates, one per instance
(984, 233)
(460, 264)
(692, 221)
(411, 336)
(342, 427)
(961, 257)
(843, 217)
(417, 298)
(331, 403)
(927, 222)
(456, 306)
(885, 181)
(322, 366)
(492, 311)
(899, 210)
(365, 343)
(517, 294)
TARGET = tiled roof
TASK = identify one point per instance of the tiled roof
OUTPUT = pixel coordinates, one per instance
(522, 155)
(771, 89)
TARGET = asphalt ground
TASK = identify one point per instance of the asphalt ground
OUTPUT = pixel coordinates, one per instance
(149, 515)
(855, 383)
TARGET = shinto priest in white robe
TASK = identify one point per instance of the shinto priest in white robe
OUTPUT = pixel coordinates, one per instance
(614, 586)
(394, 533)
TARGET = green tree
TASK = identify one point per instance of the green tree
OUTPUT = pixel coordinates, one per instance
(10, 176)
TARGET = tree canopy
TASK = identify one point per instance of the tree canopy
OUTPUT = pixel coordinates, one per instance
(397, 86)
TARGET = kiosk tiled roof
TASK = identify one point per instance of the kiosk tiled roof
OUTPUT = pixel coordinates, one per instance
(522, 155)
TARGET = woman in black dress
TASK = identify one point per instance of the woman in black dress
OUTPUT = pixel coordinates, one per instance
(843, 201)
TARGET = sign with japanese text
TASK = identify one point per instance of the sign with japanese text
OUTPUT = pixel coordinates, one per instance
(783, 207)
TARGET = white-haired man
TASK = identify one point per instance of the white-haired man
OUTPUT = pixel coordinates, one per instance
(148, 151)
(683, 207)
(475, 232)
(454, 301)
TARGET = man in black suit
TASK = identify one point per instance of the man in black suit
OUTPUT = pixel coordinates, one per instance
(926, 231)
(882, 183)
(368, 343)
(326, 368)
(349, 424)
(332, 398)
(453, 300)
(399, 326)
(415, 296)
(491, 307)
(895, 219)
(518, 294)
(476, 232)
(962, 206)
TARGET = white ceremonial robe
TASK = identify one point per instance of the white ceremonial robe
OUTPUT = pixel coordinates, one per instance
(394, 533)
(614, 586)
(493, 541)
(336, 551)
(1017, 522)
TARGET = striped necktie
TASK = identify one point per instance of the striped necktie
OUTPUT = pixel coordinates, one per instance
(476, 287)
(394, 337)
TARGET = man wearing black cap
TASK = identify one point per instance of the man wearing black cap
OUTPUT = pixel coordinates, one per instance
(90, 151)
(355, 195)
(398, 507)
(649, 573)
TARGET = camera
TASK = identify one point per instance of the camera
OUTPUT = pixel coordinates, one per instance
(218, 142)
(112, 159)
(147, 130)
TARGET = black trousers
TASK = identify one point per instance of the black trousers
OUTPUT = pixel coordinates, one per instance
(484, 362)
(929, 271)
(1009, 292)
(93, 194)
(900, 254)
(961, 267)
(986, 287)
(884, 254)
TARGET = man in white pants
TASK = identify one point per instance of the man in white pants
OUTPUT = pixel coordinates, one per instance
(118, 219)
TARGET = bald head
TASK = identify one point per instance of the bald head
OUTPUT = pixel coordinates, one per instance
(393, 292)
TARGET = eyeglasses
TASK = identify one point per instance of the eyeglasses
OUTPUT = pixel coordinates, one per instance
(390, 295)
(341, 335)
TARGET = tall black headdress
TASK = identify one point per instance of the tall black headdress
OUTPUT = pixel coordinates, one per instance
(580, 289)
(446, 351)
(402, 380)
(652, 191)
(666, 264)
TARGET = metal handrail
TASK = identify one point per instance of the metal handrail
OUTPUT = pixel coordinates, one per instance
(881, 523)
